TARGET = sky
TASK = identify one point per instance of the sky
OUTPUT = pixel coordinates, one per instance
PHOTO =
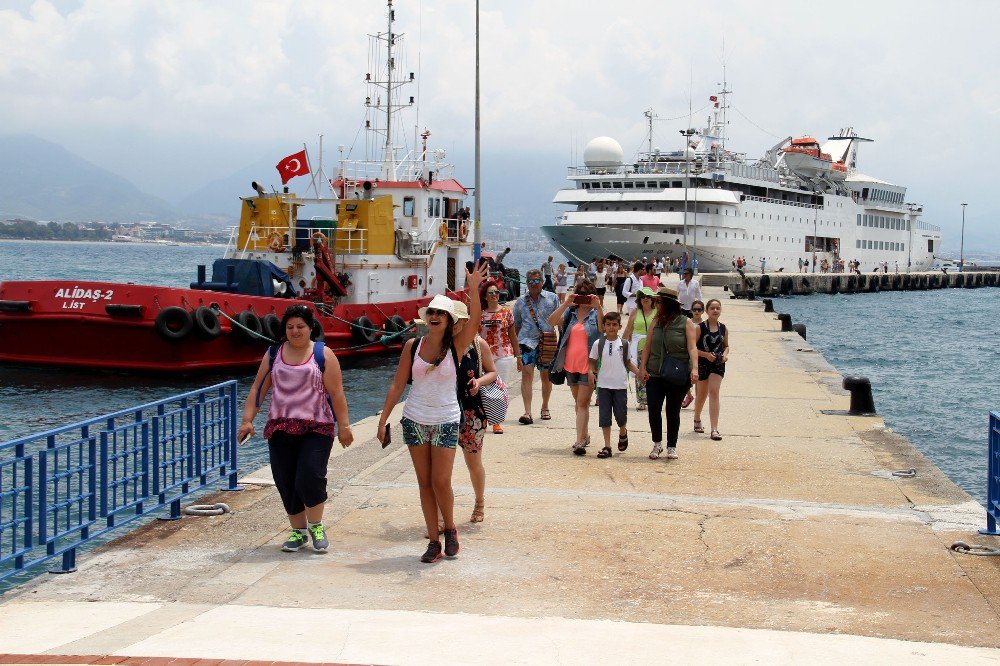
(174, 95)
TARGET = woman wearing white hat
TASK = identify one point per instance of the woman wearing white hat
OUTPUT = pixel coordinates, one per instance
(432, 413)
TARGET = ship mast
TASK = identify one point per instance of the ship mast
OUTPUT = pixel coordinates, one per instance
(389, 157)
(383, 94)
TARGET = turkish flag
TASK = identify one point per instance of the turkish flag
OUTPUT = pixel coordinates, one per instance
(292, 166)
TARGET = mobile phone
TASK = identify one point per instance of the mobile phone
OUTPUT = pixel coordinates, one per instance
(246, 439)
(388, 435)
(581, 299)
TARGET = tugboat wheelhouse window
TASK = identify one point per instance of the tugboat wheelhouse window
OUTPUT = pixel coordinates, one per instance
(407, 206)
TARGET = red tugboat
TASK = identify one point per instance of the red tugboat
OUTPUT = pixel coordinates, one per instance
(395, 236)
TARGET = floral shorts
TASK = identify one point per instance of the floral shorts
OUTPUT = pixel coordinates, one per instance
(472, 432)
(444, 434)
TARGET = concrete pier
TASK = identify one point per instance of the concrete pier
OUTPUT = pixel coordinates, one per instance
(788, 284)
(788, 541)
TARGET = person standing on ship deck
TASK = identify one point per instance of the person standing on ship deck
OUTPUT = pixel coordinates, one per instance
(307, 408)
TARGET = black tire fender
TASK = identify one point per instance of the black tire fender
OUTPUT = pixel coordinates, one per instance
(206, 323)
(271, 326)
(173, 323)
(363, 330)
(249, 320)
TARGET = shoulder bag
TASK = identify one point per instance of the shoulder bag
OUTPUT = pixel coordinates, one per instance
(672, 371)
(494, 396)
(548, 341)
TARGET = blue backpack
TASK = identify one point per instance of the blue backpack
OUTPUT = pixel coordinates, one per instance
(272, 353)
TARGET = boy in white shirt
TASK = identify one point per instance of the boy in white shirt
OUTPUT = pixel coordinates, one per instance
(610, 365)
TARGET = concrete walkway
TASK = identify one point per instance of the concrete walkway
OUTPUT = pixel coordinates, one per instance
(787, 541)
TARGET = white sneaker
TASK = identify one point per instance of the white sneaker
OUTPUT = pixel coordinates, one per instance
(671, 453)
(657, 450)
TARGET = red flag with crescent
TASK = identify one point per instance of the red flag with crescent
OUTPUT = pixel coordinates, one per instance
(292, 166)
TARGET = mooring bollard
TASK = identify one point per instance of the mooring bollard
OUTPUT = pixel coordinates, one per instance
(751, 295)
(786, 322)
(862, 402)
(800, 329)
(768, 304)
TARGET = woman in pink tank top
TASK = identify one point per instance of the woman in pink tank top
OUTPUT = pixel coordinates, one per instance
(308, 408)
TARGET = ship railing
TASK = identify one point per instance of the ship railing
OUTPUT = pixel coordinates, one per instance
(408, 169)
(68, 488)
(783, 202)
(923, 226)
(345, 240)
(993, 475)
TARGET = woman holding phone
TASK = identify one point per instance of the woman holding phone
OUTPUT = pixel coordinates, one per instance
(432, 415)
(307, 408)
(582, 321)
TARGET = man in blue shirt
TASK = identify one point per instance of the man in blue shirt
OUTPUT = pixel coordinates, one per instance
(531, 319)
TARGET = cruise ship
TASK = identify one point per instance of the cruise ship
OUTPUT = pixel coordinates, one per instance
(803, 201)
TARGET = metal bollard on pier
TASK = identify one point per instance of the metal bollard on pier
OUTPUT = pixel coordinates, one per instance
(862, 402)
(786, 322)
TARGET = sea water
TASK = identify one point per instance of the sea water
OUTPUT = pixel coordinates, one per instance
(933, 358)
(34, 399)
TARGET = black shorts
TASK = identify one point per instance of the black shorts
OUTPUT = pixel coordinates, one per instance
(600, 291)
(621, 299)
(705, 369)
(298, 465)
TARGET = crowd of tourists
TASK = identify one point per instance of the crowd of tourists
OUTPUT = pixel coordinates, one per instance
(668, 340)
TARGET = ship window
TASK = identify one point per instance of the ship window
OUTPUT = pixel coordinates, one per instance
(857, 244)
(437, 207)
(716, 234)
(606, 185)
(651, 183)
(639, 184)
(671, 209)
(430, 208)
(586, 186)
(617, 184)
(859, 220)
(629, 184)
(407, 206)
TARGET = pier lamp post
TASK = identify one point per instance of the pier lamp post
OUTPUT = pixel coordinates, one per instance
(686, 133)
(961, 251)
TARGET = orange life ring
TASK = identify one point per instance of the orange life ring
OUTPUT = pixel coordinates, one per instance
(275, 242)
(443, 230)
(463, 232)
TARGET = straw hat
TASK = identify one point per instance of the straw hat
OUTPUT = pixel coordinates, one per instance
(668, 293)
(461, 311)
(439, 302)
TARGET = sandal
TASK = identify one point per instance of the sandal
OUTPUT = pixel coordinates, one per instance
(477, 512)
(579, 450)
(545, 415)
(716, 436)
(605, 452)
(698, 427)
(688, 399)
(525, 420)
(497, 430)
(623, 442)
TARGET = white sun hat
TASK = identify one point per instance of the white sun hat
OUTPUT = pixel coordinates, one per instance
(439, 302)
(461, 311)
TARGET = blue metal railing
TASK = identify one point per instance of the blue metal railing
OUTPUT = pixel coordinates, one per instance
(993, 477)
(63, 488)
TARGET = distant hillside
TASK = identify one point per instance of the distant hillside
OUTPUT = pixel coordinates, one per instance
(221, 197)
(44, 181)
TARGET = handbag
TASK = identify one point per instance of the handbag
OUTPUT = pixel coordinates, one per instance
(548, 341)
(494, 396)
(673, 371)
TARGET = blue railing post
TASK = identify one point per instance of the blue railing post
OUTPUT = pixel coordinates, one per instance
(993, 476)
(114, 469)
(231, 444)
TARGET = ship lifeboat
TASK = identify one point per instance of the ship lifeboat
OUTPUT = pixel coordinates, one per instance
(805, 158)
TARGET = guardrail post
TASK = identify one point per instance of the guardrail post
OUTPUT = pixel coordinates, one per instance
(198, 441)
(231, 444)
(993, 476)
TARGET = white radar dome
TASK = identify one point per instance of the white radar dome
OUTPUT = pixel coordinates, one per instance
(603, 152)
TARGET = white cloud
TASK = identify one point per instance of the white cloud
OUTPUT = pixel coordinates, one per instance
(187, 87)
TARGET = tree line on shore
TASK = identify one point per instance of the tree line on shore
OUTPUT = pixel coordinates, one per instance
(30, 230)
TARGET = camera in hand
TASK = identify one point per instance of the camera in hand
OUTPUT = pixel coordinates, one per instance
(582, 299)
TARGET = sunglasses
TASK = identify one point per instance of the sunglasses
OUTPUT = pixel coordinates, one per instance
(535, 281)
(492, 292)
(697, 310)
(431, 312)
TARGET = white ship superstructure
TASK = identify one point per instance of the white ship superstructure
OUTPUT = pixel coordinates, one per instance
(801, 201)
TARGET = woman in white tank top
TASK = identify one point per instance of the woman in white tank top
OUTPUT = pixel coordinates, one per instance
(432, 414)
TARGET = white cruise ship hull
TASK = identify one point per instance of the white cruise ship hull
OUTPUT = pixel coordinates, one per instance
(754, 228)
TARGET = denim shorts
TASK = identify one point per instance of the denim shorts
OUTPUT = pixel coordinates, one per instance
(444, 435)
(529, 357)
(574, 378)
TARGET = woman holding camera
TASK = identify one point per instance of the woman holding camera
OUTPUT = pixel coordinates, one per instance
(582, 321)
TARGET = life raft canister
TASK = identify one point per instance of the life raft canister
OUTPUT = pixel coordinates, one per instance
(173, 323)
